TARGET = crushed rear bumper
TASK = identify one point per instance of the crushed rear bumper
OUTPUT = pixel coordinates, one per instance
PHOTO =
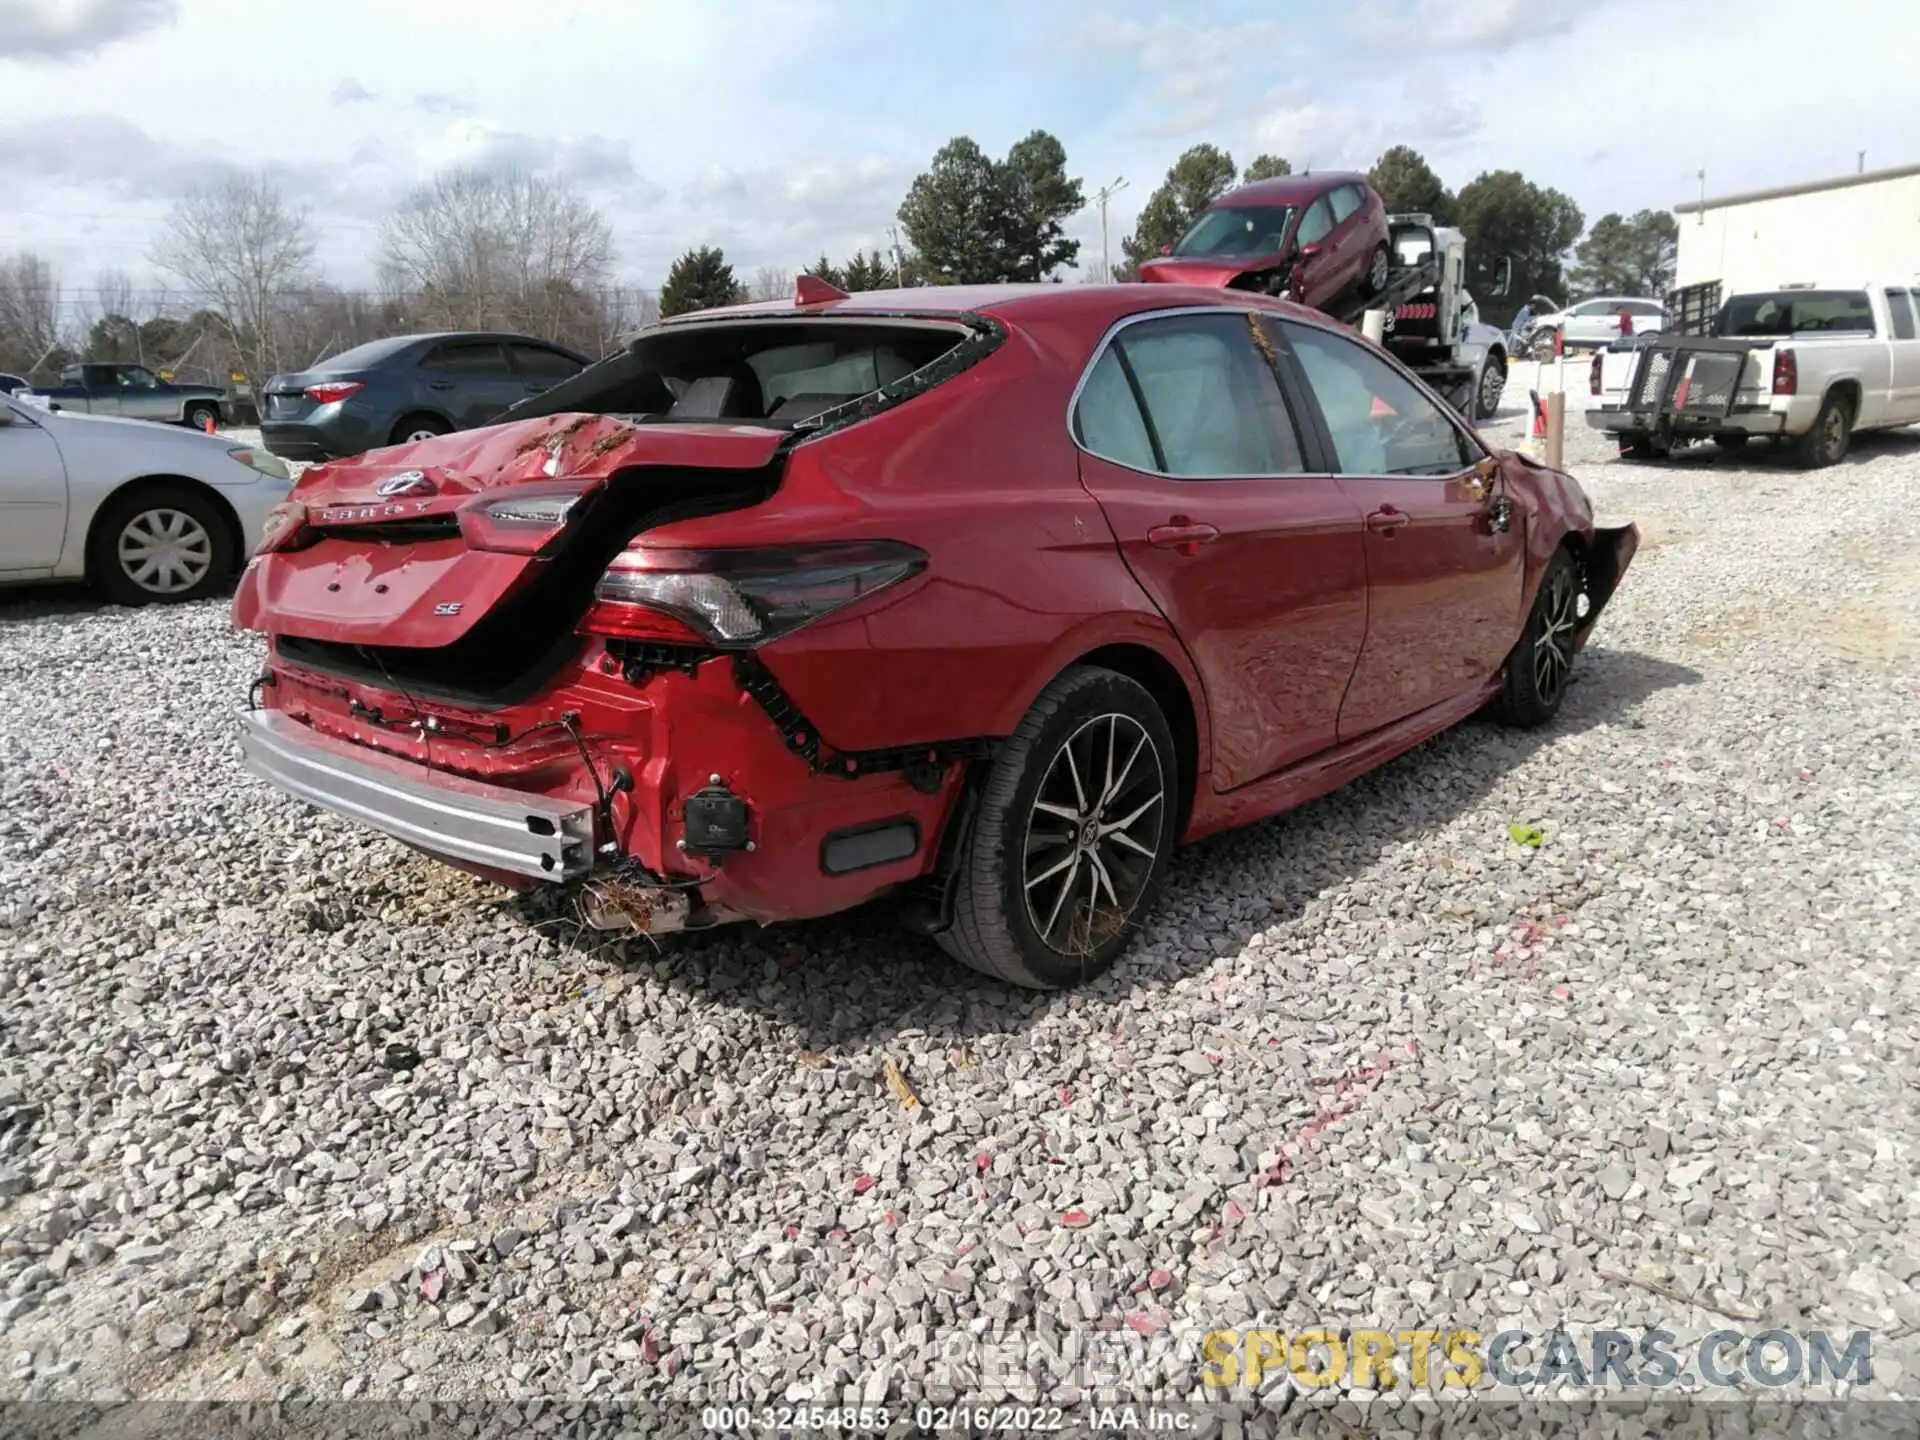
(449, 816)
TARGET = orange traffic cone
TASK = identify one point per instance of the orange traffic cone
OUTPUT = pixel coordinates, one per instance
(206, 423)
(1539, 415)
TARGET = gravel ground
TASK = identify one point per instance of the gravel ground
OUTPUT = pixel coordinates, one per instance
(286, 1109)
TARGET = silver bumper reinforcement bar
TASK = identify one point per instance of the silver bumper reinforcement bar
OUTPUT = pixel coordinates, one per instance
(446, 815)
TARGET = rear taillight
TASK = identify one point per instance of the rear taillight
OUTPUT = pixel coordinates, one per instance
(284, 521)
(1786, 373)
(332, 390)
(737, 599)
(522, 521)
(1593, 375)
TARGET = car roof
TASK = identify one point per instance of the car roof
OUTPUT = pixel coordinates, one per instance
(1289, 189)
(1018, 303)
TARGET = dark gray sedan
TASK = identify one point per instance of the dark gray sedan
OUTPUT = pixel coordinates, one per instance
(406, 388)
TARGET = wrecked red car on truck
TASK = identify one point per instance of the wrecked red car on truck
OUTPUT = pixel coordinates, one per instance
(981, 597)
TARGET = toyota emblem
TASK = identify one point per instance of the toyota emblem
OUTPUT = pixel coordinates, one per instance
(407, 482)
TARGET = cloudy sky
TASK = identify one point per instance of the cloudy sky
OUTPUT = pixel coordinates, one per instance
(779, 128)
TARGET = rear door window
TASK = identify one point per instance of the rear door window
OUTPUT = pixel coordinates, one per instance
(536, 362)
(1900, 306)
(468, 357)
(1203, 399)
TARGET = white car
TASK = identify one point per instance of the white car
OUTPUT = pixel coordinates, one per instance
(142, 512)
(1597, 321)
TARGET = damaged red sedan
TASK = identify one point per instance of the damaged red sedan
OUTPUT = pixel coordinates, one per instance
(982, 597)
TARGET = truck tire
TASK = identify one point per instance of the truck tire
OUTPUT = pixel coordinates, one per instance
(198, 413)
(1826, 443)
(160, 543)
(1638, 445)
(1732, 442)
(1080, 803)
(1488, 386)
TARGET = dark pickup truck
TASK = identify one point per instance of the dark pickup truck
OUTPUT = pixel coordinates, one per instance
(136, 393)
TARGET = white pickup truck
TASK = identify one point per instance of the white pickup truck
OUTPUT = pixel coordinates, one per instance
(1805, 367)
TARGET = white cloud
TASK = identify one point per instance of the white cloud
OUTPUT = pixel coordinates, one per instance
(1475, 26)
(57, 31)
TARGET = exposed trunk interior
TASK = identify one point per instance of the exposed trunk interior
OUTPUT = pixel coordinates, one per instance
(516, 647)
(783, 372)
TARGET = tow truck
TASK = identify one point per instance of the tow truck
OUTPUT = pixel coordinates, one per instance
(1432, 323)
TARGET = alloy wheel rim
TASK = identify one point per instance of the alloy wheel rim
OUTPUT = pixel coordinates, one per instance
(1489, 390)
(1093, 834)
(419, 435)
(1553, 650)
(165, 551)
(1377, 271)
(1835, 428)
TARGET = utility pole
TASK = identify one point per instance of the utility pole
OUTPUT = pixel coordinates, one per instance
(899, 266)
(1103, 195)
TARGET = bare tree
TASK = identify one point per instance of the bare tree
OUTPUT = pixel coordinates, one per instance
(247, 251)
(29, 311)
(478, 249)
(623, 310)
(771, 282)
(109, 330)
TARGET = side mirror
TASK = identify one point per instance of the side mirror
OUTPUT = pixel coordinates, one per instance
(1502, 277)
(1307, 252)
(53, 404)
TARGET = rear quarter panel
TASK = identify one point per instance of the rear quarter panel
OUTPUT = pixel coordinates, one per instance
(1024, 575)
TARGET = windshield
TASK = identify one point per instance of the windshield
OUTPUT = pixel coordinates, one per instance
(1797, 312)
(1237, 230)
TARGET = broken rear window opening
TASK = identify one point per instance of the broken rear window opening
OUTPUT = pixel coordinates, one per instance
(1797, 312)
(791, 374)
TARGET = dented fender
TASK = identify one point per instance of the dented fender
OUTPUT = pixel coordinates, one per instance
(1610, 549)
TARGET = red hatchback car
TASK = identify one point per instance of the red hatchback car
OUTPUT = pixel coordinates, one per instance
(1313, 238)
(982, 596)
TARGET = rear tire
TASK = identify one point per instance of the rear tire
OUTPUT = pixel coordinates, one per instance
(159, 544)
(1378, 266)
(1638, 445)
(197, 415)
(1732, 442)
(1541, 663)
(418, 427)
(1069, 847)
(1826, 443)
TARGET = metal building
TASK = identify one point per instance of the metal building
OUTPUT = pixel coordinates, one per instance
(1843, 231)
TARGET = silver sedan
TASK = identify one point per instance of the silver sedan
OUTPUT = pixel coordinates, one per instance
(143, 513)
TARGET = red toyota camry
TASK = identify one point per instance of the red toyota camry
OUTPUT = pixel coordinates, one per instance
(986, 597)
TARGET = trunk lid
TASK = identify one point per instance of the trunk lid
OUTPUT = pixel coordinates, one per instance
(284, 397)
(397, 547)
